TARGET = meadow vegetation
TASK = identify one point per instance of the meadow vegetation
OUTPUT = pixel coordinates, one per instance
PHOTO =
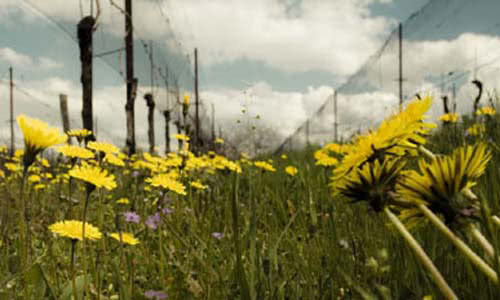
(94, 223)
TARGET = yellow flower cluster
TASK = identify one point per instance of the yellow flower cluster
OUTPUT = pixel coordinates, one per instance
(73, 229)
(449, 118)
(94, 175)
(488, 110)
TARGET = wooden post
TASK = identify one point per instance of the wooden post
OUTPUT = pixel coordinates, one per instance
(12, 139)
(151, 121)
(213, 127)
(166, 114)
(336, 123)
(131, 81)
(63, 104)
(400, 67)
(85, 30)
(197, 143)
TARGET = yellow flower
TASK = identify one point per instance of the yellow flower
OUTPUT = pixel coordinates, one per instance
(219, 141)
(114, 160)
(198, 185)
(186, 99)
(371, 182)
(440, 182)
(476, 130)
(13, 167)
(449, 118)
(74, 229)
(38, 136)
(291, 170)
(44, 162)
(2, 174)
(396, 136)
(103, 147)
(324, 159)
(75, 152)
(182, 137)
(122, 201)
(79, 133)
(94, 175)
(486, 111)
(284, 156)
(265, 166)
(127, 238)
(167, 181)
(34, 178)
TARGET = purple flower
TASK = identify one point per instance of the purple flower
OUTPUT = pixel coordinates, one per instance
(131, 217)
(158, 295)
(153, 221)
(166, 211)
(218, 235)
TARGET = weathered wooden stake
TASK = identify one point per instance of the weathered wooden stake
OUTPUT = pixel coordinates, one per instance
(12, 144)
(85, 31)
(63, 104)
(151, 121)
(166, 114)
(131, 81)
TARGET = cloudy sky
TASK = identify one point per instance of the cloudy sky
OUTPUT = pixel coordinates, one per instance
(264, 63)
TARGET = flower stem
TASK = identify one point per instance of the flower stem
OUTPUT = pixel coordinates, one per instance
(471, 255)
(84, 245)
(422, 256)
(481, 239)
(73, 283)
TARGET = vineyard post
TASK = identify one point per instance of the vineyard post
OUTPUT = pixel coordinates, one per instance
(166, 114)
(197, 143)
(85, 31)
(151, 121)
(131, 81)
(11, 84)
(63, 105)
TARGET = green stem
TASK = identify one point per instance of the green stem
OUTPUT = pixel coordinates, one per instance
(84, 245)
(73, 283)
(471, 255)
(481, 239)
(23, 229)
(422, 256)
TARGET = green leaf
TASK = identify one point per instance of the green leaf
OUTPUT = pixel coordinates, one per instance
(68, 288)
(34, 277)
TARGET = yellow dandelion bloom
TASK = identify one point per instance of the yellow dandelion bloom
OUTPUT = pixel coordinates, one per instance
(127, 238)
(324, 159)
(122, 201)
(114, 160)
(38, 136)
(198, 185)
(371, 182)
(488, 110)
(440, 182)
(476, 130)
(265, 166)
(94, 175)
(2, 174)
(219, 141)
(103, 147)
(73, 229)
(79, 133)
(44, 162)
(13, 167)
(39, 186)
(284, 156)
(182, 137)
(166, 181)
(34, 178)
(291, 170)
(75, 152)
(449, 118)
(186, 99)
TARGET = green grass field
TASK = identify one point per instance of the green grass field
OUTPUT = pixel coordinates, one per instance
(254, 234)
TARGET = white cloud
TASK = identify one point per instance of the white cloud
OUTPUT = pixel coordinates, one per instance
(19, 60)
(334, 36)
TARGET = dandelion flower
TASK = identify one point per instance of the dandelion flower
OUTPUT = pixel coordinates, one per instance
(371, 182)
(82, 133)
(127, 238)
(122, 201)
(103, 147)
(186, 99)
(182, 137)
(73, 229)
(490, 111)
(75, 152)
(265, 166)
(219, 141)
(198, 185)
(38, 136)
(166, 181)
(440, 182)
(476, 130)
(291, 170)
(94, 175)
(449, 118)
(114, 160)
